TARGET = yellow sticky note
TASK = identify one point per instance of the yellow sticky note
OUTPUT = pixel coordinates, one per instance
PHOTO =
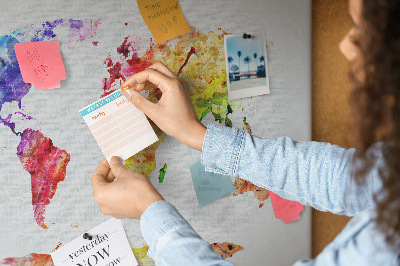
(164, 18)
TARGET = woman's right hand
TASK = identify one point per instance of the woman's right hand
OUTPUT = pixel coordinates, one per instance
(174, 113)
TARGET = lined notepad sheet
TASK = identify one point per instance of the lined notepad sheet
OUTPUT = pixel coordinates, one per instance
(118, 126)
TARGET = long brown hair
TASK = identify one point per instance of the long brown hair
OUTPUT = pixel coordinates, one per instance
(375, 101)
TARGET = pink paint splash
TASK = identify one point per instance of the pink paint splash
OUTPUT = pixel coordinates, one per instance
(81, 30)
(47, 165)
(128, 64)
(284, 209)
(31, 260)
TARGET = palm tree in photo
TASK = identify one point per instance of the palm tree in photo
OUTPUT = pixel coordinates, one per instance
(255, 58)
(247, 60)
(261, 68)
(230, 60)
(239, 55)
(234, 68)
(262, 59)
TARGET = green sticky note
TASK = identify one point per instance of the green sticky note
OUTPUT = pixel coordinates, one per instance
(209, 186)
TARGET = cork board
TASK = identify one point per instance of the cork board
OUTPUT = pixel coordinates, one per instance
(330, 96)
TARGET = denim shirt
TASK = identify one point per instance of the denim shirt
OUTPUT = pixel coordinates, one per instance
(312, 173)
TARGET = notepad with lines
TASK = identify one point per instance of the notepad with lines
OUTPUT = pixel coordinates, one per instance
(118, 126)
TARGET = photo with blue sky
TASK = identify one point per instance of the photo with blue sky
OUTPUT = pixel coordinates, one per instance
(247, 48)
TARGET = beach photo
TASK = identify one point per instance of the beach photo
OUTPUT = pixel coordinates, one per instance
(246, 65)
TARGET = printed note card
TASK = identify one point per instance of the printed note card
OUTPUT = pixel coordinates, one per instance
(109, 246)
(164, 18)
(209, 186)
(41, 64)
(118, 126)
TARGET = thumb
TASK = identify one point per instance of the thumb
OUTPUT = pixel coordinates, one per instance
(117, 167)
(138, 100)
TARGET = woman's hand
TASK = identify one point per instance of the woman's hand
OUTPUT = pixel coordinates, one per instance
(127, 197)
(174, 113)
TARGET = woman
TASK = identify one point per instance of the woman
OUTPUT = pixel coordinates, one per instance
(316, 174)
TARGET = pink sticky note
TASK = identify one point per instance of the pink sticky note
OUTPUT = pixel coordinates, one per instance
(286, 210)
(41, 64)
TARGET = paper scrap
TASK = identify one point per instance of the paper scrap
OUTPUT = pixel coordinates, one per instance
(118, 126)
(209, 186)
(41, 64)
(284, 209)
(108, 246)
(164, 18)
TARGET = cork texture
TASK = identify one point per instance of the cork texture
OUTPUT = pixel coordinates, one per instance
(330, 99)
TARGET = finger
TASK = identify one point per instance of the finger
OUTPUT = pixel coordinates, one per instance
(117, 167)
(110, 177)
(100, 174)
(140, 102)
(160, 67)
(144, 86)
(159, 80)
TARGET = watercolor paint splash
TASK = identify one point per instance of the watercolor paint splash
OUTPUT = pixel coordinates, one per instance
(198, 58)
(81, 30)
(225, 249)
(47, 165)
(45, 162)
(31, 260)
(242, 186)
(162, 172)
(142, 258)
(247, 126)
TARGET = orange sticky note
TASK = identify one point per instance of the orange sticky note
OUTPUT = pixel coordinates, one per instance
(284, 209)
(164, 18)
(41, 64)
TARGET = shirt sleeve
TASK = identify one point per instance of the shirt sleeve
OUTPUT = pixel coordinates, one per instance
(172, 241)
(312, 173)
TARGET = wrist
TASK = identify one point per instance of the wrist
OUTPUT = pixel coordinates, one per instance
(197, 136)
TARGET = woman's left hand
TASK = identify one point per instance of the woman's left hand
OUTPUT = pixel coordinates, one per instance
(127, 197)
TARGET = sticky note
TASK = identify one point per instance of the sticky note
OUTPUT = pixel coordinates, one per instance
(284, 209)
(108, 246)
(209, 186)
(41, 64)
(164, 18)
(118, 126)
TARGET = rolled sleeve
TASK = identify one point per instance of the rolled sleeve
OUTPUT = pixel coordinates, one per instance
(222, 147)
(158, 219)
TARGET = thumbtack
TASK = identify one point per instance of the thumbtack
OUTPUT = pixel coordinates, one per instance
(246, 36)
(87, 236)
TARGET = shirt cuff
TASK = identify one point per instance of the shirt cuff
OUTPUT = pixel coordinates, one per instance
(158, 219)
(222, 148)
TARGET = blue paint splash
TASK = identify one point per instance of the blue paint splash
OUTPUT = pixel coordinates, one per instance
(12, 86)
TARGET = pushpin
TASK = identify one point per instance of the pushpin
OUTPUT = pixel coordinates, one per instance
(87, 236)
(246, 36)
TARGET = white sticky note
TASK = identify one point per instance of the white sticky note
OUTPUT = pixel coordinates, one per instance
(118, 126)
(109, 246)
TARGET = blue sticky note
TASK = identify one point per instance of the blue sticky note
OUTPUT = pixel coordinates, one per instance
(209, 186)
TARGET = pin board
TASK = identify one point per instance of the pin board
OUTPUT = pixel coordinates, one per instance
(102, 43)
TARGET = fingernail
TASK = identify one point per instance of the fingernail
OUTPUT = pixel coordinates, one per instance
(115, 160)
(128, 93)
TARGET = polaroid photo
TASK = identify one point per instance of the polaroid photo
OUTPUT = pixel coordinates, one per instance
(246, 65)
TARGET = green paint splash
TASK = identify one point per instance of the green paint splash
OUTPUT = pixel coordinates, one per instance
(162, 171)
(141, 256)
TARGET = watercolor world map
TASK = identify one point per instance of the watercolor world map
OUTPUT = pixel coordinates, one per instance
(197, 58)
